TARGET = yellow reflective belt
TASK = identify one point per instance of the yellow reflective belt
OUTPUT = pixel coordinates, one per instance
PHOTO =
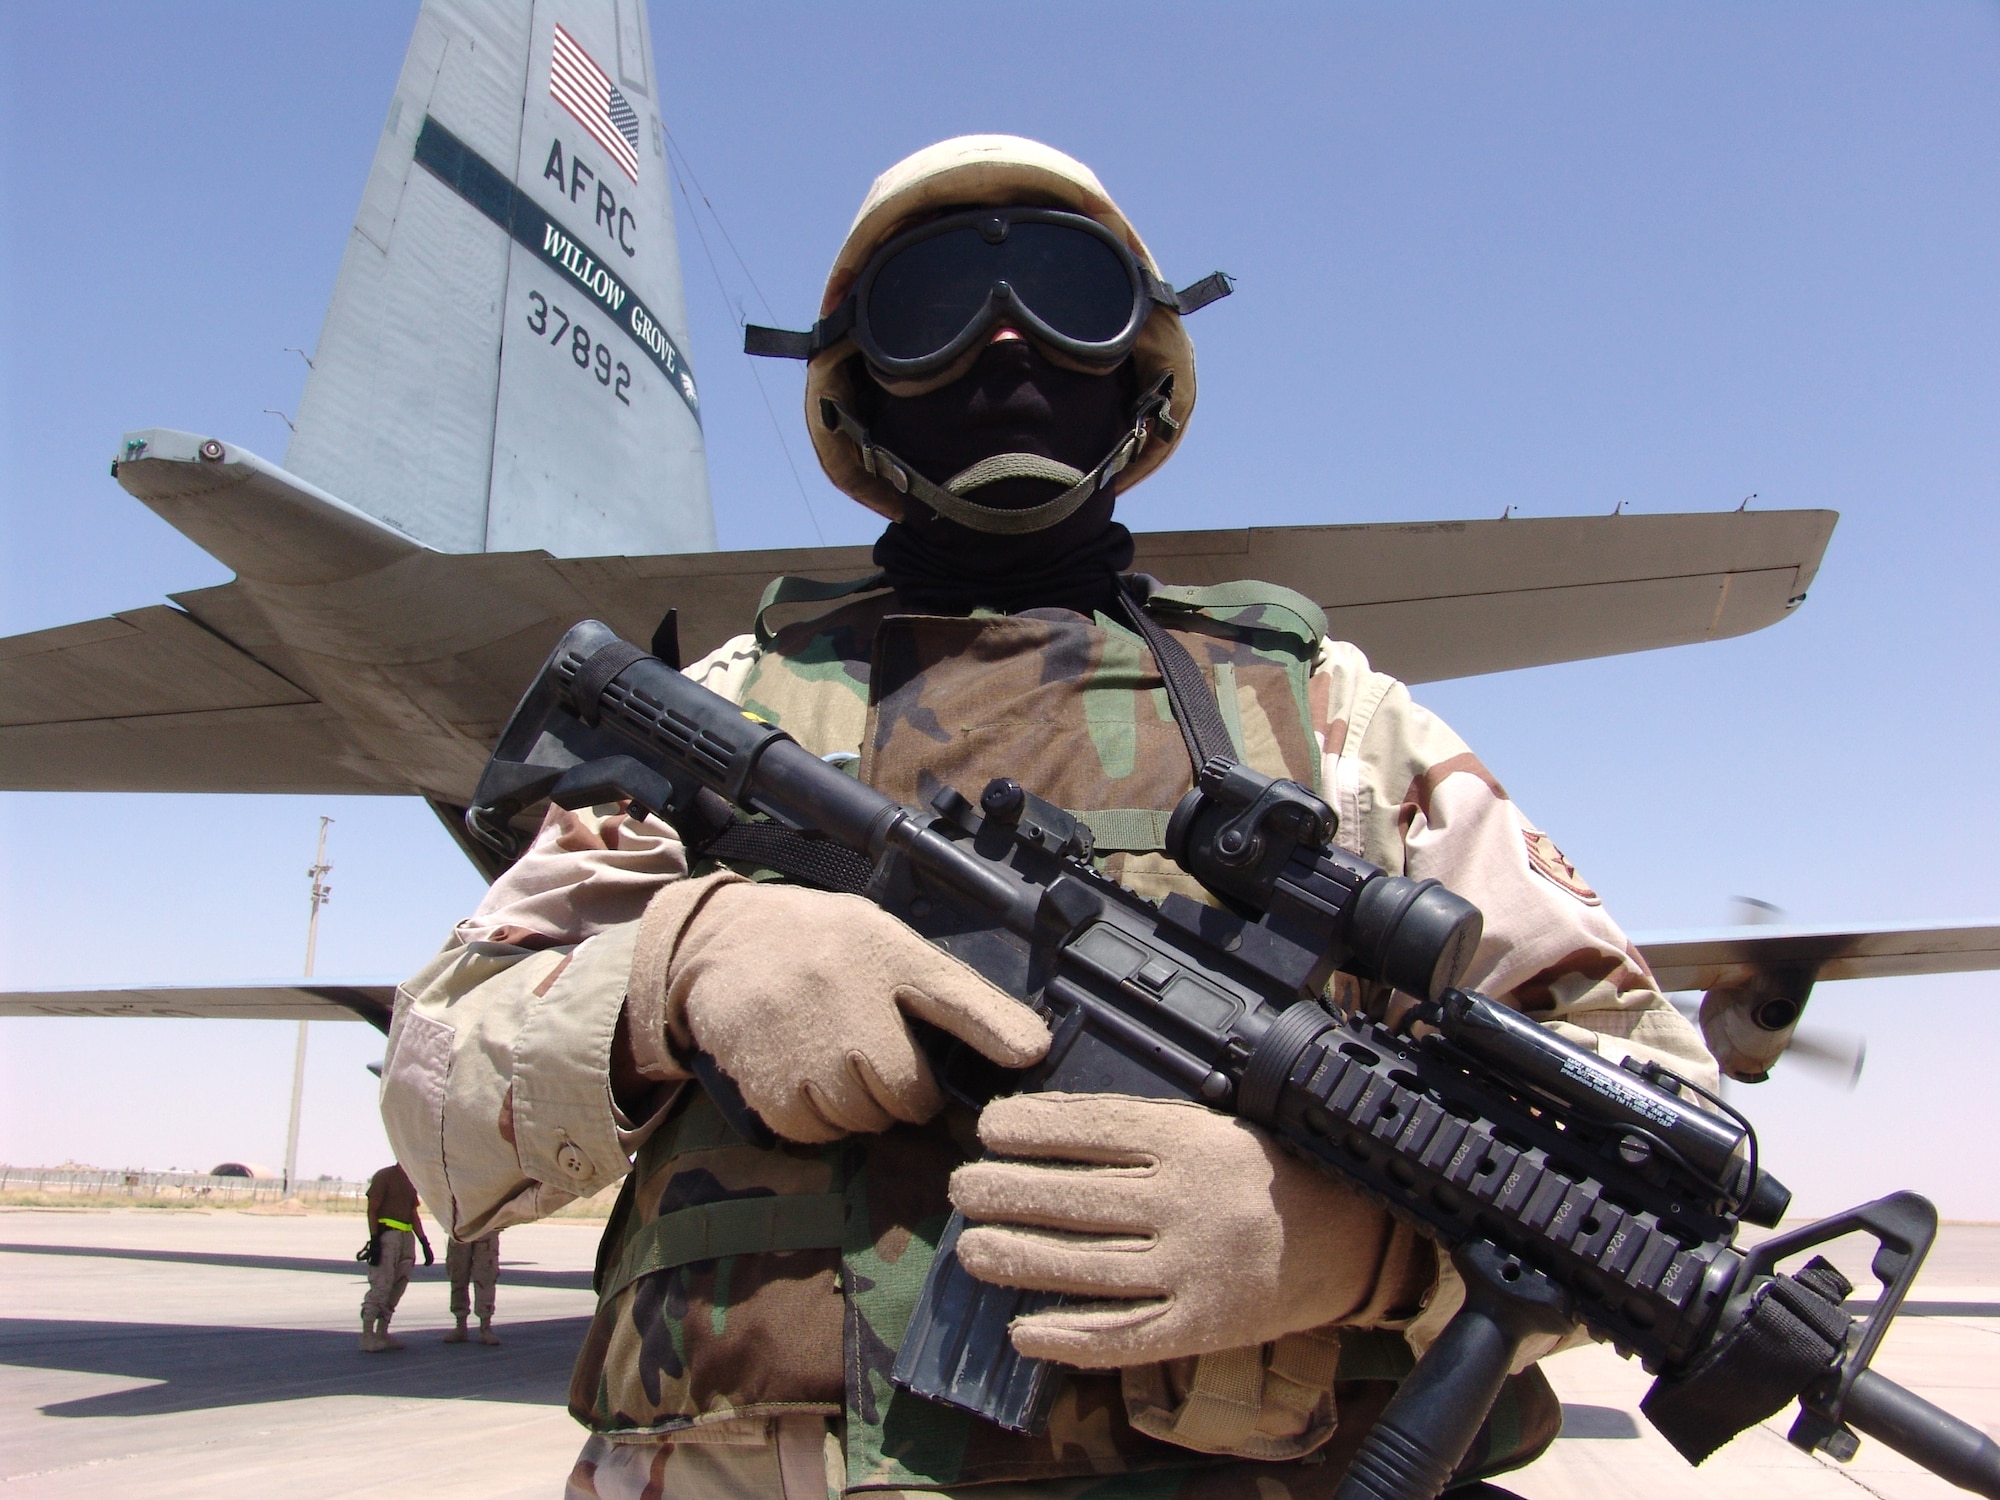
(388, 1223)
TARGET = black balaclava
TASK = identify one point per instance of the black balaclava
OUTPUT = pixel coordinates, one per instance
(1012, 400)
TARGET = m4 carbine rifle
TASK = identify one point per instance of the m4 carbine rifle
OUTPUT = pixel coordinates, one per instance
(1567, 1189)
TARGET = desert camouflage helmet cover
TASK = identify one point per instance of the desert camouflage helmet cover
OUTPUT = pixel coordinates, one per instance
(974, 171)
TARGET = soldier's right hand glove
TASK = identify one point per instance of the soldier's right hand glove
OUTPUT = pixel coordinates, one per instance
(370, 1253)
(801, 996)
(1179, 1231)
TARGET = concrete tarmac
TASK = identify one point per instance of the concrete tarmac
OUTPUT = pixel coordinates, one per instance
(177, 1353)
(214, 1354)
(1945, 1346)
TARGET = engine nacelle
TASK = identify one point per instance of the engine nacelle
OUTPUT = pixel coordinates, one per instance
(1748, 1019)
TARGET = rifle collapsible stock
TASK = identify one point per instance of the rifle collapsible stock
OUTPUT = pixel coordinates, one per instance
(1566, 1188)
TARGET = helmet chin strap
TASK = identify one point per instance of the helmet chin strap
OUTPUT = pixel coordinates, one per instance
(948, 499)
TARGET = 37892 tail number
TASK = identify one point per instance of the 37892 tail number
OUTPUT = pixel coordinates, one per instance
(588, 355)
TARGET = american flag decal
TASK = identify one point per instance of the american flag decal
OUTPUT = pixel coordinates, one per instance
(587, 92)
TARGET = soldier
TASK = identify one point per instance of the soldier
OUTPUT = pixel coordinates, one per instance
(394, 1229)
(476, 1263)
(996, 358)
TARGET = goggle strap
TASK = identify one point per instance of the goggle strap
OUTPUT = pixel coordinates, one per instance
(788, 343)
(995, 520)
(777, 343)
(1211, 288)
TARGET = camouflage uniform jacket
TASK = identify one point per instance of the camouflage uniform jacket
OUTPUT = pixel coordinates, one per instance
(739, 1284)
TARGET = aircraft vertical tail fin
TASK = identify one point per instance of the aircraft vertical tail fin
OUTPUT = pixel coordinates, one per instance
(504, 362)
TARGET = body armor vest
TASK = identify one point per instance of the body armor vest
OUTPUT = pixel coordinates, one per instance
(736, 1281)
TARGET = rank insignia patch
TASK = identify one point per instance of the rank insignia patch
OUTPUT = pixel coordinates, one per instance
(1551, 865)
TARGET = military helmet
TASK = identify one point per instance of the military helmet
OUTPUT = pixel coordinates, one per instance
(940, 185)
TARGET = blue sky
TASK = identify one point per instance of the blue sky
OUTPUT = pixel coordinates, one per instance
(1550, 256)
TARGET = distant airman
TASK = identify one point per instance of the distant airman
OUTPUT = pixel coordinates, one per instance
(394, 1231)
(475, 1264)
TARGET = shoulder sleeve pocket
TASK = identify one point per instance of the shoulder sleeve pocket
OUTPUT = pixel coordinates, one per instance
(413, 1094)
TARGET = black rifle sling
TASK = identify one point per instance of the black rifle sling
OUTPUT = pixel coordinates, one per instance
(595, 675)
(809, 858)
(1195, 709)
(1793, 1335)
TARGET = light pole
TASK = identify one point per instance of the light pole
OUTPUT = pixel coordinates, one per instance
(321, 893)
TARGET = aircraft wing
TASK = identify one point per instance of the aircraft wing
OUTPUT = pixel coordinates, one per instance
(1705, 960)
(1757, 980)
(369, 1000)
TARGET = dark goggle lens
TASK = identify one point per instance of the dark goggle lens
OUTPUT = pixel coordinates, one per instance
(928, 293)
(1073, 281)
(924, 296)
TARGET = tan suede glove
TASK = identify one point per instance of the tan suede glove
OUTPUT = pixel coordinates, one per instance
(1208, 1236)
(800, 997)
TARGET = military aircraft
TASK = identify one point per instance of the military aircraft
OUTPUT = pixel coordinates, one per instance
(501, 433)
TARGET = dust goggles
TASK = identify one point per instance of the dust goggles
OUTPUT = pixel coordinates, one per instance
(926, 301)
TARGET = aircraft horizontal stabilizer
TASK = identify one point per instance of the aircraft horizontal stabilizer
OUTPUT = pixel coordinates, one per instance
(1463, 598)
(347, 657)
(265, 1000)
(251, 515)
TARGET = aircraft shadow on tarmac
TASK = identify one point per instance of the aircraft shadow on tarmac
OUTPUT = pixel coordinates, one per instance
(202, 1367)
(579, 1281)
(510, 1274)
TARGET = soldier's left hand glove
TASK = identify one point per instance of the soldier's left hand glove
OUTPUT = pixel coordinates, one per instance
(1189, 1231)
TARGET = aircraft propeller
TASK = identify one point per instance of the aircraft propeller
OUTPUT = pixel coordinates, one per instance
(1750, 1015)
